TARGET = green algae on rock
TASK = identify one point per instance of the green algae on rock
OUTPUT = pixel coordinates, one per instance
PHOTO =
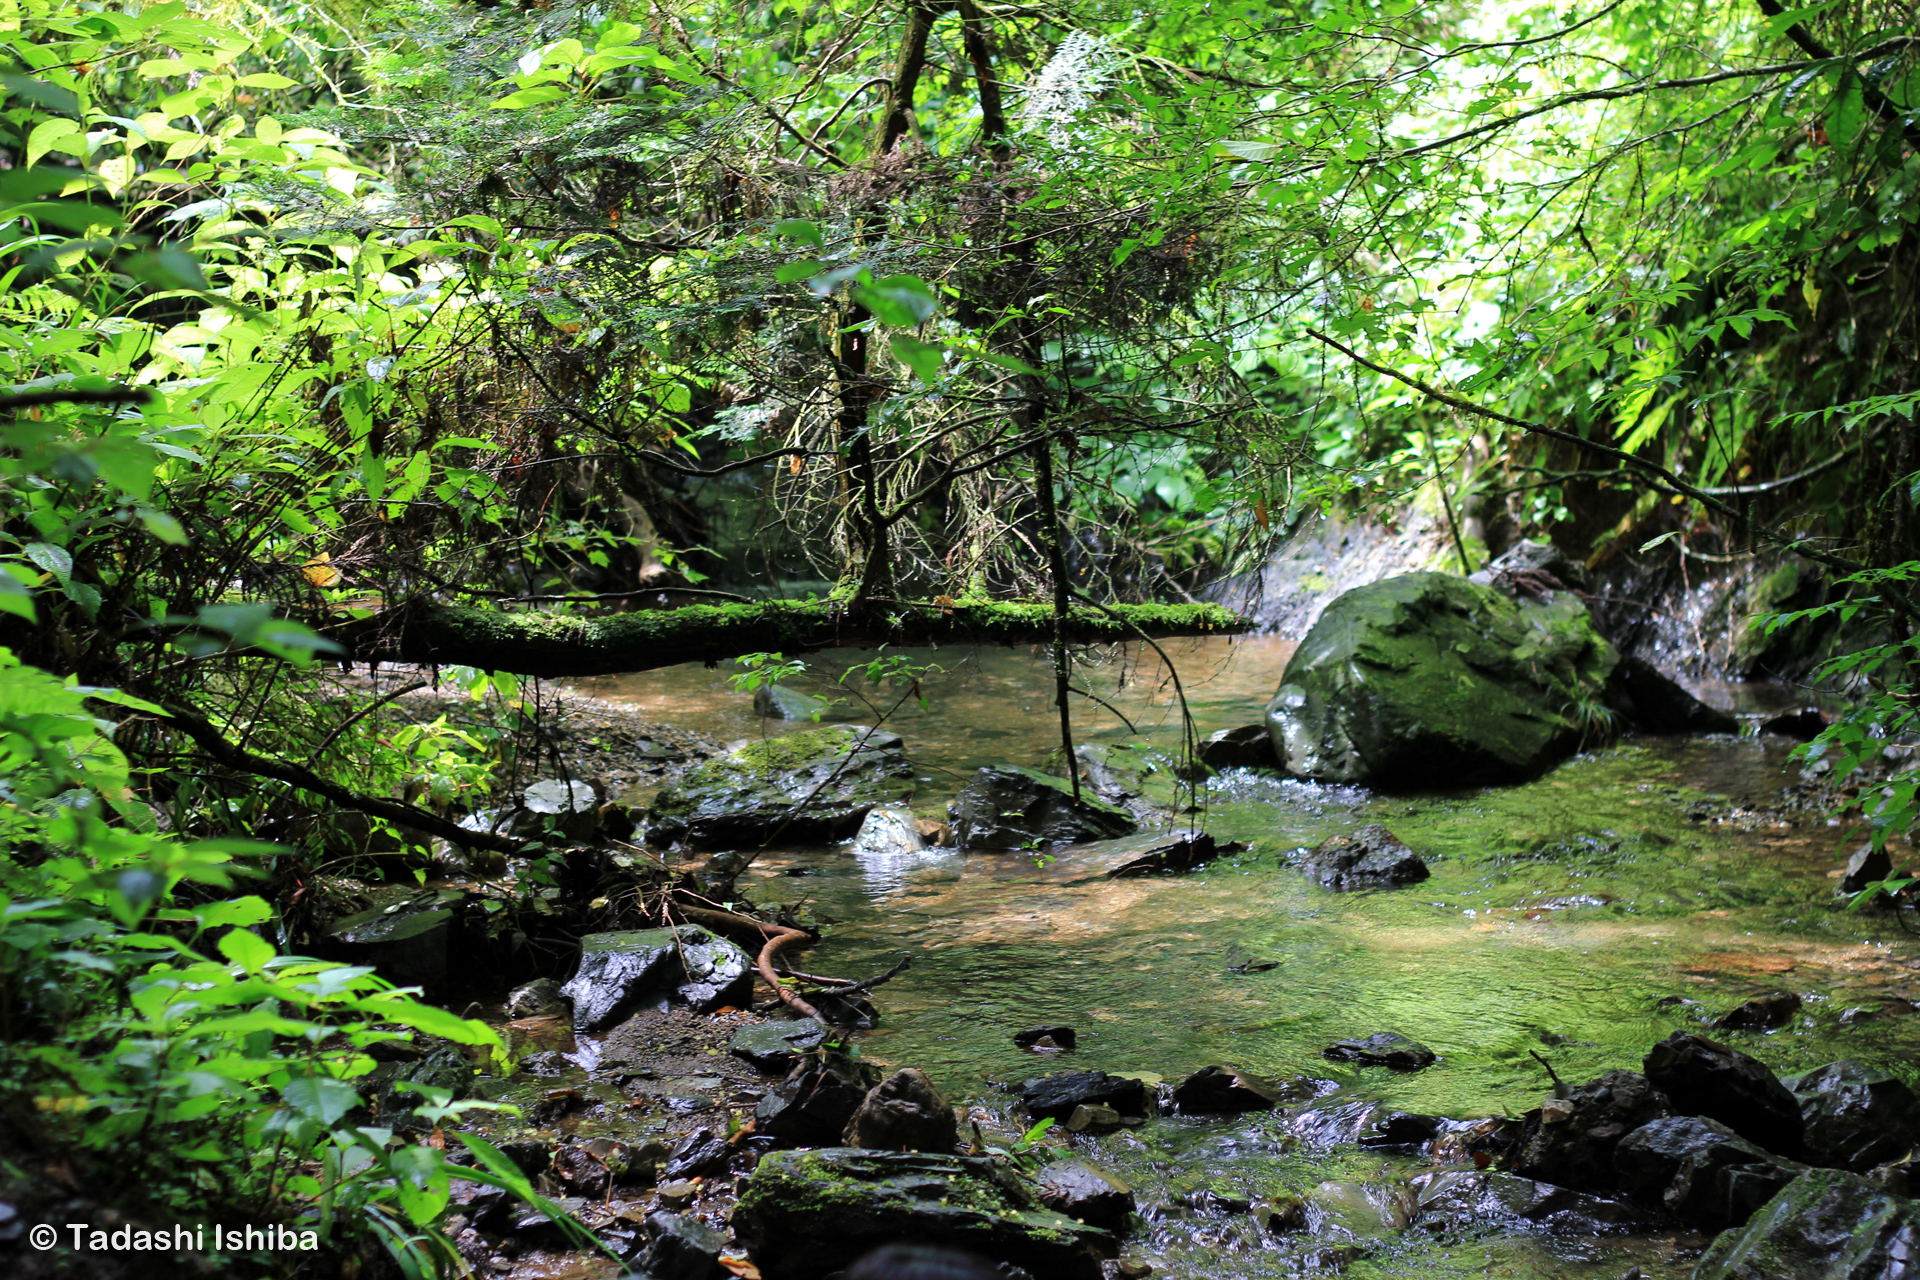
(807, 788)
(806, 1214)
(1430, 680)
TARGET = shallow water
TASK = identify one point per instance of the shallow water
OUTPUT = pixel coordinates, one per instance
(1583, 916)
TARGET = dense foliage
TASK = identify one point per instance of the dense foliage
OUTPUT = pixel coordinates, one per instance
(317, 315)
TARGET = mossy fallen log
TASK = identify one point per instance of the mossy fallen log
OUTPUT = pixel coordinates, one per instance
(561, 644)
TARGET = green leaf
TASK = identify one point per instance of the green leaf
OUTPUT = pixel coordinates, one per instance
(531, 97)
(55, 560)
(807, 233)
(902, 301)
(248, 950)
(266, 80)
(924, 358)
(801, 270)
(162, 526)
(320, 1098)
(16, 599)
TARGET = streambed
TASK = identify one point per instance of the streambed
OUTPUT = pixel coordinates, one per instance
(1631, 892)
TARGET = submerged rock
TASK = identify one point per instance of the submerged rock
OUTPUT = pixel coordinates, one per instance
(1223, 1090)
(1371, 858)
(1856, 1116)
(806, 1214)
(1570, 1141)
(904, 1112)
(1704, 1078)
(1062, 1037)
(1762, 1013)
(1699, 1171)
(1161, 853)
(620, 971)
(1399, 1129)
(1384, 1049)
(1826, 1225)
(1056, 1096)
(1087, 1192)
(1008, 807)
(781, 787)
(1431, 680)
(1460, 1202)
(1652, 701)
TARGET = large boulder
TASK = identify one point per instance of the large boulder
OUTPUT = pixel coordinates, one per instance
(1700, 1172)
(807, 1214)
(1825, 1225)
(1087, 1192)
(1856, 1116)
(1570, 1141)
(619, 972)
(1431, 680)
(1702, 1077)
(813, 787)
(1008, 807)
(813, 1105)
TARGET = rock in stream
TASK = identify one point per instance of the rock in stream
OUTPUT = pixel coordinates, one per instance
(808, 788)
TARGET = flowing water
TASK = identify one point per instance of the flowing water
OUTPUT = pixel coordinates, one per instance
(1581, 917)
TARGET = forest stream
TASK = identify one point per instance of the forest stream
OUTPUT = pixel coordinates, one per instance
(1647, 887)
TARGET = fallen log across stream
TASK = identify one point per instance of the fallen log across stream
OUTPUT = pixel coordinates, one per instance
(548, 644)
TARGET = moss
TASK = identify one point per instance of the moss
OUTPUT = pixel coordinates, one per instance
(561, 644)
(794, 751)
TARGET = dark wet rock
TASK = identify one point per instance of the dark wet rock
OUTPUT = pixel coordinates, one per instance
(1570, 1141)
(777, 702)
(1803, 725)
(1086, 1192)
(1702, 1077)
(1826, 1225)
(558, 808)
(1530, 567)
(1429, 680)
(1384, 1049)
(889, 831)
(683, 1248)
(851, 1011)
(743, 798)
(1333, 1125)
(443, 1068)
(1281, 1215)
(1057, 1095)
(1248, 747)
(1762, 1013)
(1397, 1129)
(1652, 701)
(904, 1112)
(1062, 1037)
(1214, 1202)
(1008, 807)
(531, 1156)
(1224, 1090)
(1699, 1171)
(806, 1214)
(541, 998)
(701, 1154)
(1459, 1202)
(619, 972)
(407, 939)
(1161, 852)
(591, 1168)
(812, 1106)
(772, 1047)
(1856, 1116)
(1371, 858)
(1868, 865)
